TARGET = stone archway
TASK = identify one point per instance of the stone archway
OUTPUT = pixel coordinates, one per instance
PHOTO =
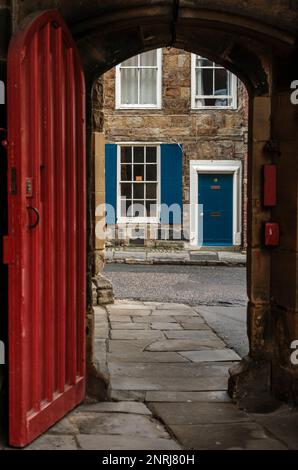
(257, 42)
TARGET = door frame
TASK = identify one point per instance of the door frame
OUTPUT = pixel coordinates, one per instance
(198, 167)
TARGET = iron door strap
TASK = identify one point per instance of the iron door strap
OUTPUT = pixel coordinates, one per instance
(37, 217)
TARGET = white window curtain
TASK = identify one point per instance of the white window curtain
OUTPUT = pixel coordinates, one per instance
(214, 86)
(139, 77)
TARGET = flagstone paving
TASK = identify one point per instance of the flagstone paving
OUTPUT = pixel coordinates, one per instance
(167, 372)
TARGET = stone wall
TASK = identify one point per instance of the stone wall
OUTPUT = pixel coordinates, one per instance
(204, 134)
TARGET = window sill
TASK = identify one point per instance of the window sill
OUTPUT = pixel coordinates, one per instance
(136, 221)
(133, 107)
(214, 108)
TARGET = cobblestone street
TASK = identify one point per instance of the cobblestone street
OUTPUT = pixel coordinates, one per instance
(168, 374)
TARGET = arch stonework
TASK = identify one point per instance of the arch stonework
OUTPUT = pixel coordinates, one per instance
(257, 40)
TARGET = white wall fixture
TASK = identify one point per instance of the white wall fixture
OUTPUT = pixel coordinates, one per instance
(2, 92)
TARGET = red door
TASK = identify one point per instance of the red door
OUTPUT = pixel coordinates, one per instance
(45, 248)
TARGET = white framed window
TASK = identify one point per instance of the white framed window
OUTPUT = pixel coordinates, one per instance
(138, 177)
(213, 87)
(139, 81)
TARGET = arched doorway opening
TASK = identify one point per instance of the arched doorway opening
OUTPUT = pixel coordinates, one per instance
(250, 58)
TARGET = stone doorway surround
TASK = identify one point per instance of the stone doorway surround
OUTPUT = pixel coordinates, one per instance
(198, 167)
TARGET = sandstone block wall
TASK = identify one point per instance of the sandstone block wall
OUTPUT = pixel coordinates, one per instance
(203, 134)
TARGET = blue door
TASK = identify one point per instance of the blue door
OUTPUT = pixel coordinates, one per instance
(216, 195)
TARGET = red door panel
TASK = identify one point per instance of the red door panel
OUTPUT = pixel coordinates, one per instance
(47, 263)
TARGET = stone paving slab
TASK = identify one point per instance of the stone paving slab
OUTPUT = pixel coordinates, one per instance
(99, 442)
(50, 442)
(190, 334)
(151, 357)
(118, 423)
(198, 413)
(239, 436)
(189, 326)
(165, 313)
(193, 321)
(188, 397)
(168, 256)
(163, 326)
(185, 345)
(212, 355)
(121, 318)
(119, 346)
(165, 384)
(127, 312)
(154, 319)
(283, 423)
(127, 395)
(190, 317)
(129, 326)
(116, 407)
(65, 426)
(136, 334)
(189, 370)
(130, 255)
(173, 306)
(125, 306)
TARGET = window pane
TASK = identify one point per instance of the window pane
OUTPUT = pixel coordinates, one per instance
(126, 173)
(151, 154)
(129, 86)
(138, 154)
(126, 153)
(151, 173)
(151, 191)
(138, 191)
(201, 62)
(212, 101)
(206, 82)
(223, 102)
(126, 191)
(221, 82)
(151, 209)
(149, 58)
(200, 103)
(139, 209)
(126, 208)
(148, 83)
(139, 173)
(133, 61)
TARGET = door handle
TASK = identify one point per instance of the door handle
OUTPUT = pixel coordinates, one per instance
(37, 217)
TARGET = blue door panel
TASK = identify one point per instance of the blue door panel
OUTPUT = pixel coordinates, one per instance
(216, 195)
(171, 181)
